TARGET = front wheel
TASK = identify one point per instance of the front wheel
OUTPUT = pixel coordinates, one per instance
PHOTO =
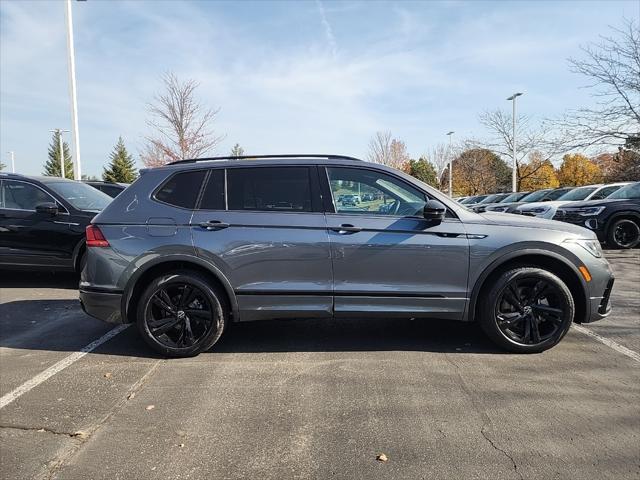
(623, 233)
(527, 310)
(181, 314)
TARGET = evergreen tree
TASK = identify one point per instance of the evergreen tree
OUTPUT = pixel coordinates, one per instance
(121, 167)
(423, 170)
(52, 165)
(237, 151)
(2, 166)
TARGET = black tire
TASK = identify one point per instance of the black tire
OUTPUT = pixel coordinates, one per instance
(526, 310)
(177, 327)
(623, 233)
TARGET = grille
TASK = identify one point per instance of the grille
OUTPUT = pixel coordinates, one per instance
(604, 303)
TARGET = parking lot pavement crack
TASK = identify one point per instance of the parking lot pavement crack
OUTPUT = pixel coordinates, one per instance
(504, 452)
(77, 435)
(56, 465)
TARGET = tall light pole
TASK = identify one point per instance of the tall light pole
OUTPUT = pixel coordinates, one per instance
(514, 173)
(450, 165)
(77, 172)
(61, 149)
(13, 162)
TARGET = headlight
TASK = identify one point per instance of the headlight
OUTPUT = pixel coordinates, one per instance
(585, 211)
(534, 210)
(589, 244)
(498, 209)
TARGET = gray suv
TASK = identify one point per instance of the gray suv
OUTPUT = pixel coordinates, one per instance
(195, 245)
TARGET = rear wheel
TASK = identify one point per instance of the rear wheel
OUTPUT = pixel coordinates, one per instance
(527, 310)
(623, 233)
(180, 314)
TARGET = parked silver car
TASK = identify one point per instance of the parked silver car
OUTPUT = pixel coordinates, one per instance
(197, 244)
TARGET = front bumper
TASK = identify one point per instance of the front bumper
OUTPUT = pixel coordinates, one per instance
(102, 305)
(601, 306)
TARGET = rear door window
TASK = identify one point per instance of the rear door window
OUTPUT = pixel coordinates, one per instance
(182, 189)
(23, 196)
(213, 196)
(279, 189)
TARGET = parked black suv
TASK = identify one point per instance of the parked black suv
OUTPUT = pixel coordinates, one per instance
(43, 221)
(110, 188)
(615, 219)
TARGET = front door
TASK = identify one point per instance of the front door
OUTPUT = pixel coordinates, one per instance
(268, 236)
(28, 237)
(387, 259)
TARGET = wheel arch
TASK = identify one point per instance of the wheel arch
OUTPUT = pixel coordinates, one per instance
(548, 260)
(165, 264)
(633, 215)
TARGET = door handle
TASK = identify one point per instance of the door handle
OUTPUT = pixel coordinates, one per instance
(214, 225)
(345, 229)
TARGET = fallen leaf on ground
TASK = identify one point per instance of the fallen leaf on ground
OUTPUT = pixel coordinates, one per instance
(150, 407)
(41, 430)
(131, 395)
(382, 457)
(181, 445)
(80, 434)
(107, 375)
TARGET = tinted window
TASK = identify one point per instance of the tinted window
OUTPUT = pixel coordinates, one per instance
(369, 192)
(81, 195)
(23, 196)
(213, 196)
(111, 191)
(630, 191)
(182, 189)
(269, 189)
(605, 192)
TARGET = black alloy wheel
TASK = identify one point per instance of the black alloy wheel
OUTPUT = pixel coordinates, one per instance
(181, 315)
(527, 310)
(624, 233)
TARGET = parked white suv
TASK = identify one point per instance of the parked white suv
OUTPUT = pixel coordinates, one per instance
(588, 192)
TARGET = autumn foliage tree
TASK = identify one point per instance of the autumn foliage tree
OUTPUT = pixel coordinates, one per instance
(477, 171)
(577, 170)
(182, 127)
(538, 173)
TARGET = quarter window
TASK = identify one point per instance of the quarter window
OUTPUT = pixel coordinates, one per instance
(182, 189)
(283, 189)
(213, 196)
(363, 191)
(23, 196)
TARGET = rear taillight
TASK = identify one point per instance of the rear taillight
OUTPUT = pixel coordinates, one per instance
(95, 238)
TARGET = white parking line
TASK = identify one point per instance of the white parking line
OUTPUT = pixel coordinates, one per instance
(609, 343)
(61, 365)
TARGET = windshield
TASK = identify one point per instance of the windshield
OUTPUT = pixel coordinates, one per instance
(514, 197)
(81, 195)
(469, 199)
(630, 191)
(578, 193)
(535, 196)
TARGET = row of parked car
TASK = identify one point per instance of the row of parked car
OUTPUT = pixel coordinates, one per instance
(611, 210)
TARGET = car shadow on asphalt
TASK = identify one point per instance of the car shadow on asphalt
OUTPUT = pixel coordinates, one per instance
(38, 279)
(60, 325)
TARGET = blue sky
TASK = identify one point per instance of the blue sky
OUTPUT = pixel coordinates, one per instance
(302, 76)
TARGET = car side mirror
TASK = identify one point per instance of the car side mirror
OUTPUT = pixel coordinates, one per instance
(434, 211)
(49, 208)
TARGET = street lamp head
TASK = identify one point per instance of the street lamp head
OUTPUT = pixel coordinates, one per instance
(451, 133)
(514, 96)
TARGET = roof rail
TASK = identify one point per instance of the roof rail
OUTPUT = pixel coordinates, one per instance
(251, 157)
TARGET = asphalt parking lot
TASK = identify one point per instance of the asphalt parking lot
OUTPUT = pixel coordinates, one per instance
(314, 399)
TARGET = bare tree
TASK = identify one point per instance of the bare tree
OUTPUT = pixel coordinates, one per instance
(613, 67)
(540, 139)
(380, 148)
(388, 151)
(182, 126)
(439, 157)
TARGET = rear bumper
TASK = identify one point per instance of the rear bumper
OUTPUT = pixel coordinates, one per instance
(102, 305)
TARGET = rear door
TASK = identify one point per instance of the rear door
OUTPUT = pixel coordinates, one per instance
(268, 236)
(387, 259)
(28, 237)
